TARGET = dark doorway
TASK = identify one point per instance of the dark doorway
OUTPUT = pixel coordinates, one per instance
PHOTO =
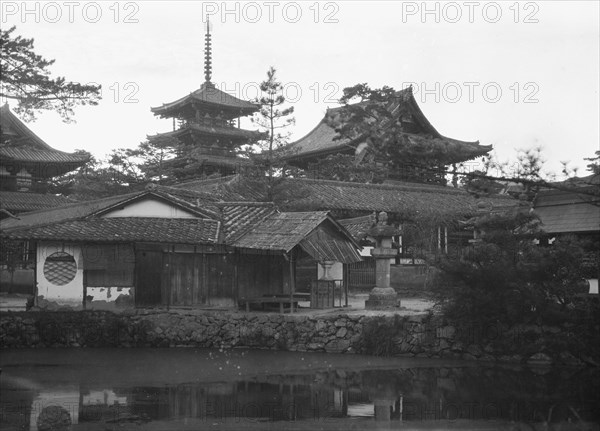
(149, 265)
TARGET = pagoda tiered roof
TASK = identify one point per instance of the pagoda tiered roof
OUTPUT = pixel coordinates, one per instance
(323, 140)
(211, 129)
(20, 146)
(207, 98)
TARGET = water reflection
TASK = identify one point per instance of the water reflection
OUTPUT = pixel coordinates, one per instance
(419, 396)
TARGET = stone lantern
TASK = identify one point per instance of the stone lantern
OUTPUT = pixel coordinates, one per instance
(382, 296)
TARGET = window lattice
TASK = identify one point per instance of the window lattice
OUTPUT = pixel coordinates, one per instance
(60, 268)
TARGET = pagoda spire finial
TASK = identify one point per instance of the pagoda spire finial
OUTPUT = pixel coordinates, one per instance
(207, 53)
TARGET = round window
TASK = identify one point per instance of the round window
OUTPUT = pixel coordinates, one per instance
(60, 268)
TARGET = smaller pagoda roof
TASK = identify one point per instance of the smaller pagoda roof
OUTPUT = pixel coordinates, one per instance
(21, 145)
(212, 130)
(323, 140)
(210, 96)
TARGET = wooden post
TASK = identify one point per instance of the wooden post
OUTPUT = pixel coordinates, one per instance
(204, 288)
(35, 269)
(292, 281)
(346, 284)
(446, 239)
(84, 287)
(169, 279)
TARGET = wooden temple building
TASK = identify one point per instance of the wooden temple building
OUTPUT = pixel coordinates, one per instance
(324, 140)
(169, 247)
(206, 122)
(26, 165)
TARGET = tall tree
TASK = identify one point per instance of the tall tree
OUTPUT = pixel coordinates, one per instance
(157, 156)
(26, 79)
(273, 118)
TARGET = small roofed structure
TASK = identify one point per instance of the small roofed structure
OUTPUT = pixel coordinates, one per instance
(571, 208)
(323, 140)
(26, 165)
(153, 248)
(204, 121)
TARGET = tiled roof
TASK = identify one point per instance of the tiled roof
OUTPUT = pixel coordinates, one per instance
(358, 226)
(211, 95)
(408, 200)
(201, 129)
(26, 146)
(64, 212)
(321, 141)
(17, 202)
(24, 154)
(124, 229)
(238, 218)
(205, 202)
(249, 225)
(233, 188)
(83, 209)
(283, 231)
(568, 212)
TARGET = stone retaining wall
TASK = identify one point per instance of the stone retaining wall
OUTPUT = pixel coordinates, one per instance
(412, 336)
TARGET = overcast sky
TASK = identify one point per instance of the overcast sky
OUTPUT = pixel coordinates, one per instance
(513, 75)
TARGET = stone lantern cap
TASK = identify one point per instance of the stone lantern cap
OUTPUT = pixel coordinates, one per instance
(382, 229)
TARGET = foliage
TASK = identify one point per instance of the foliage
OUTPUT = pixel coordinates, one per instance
(344, 167)
(155, 160)
(115, 175)
(594, 165)
(377, 120)
(273, 118)
(506, 278)
(25, 78)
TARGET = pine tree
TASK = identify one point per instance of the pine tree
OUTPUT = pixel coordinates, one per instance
(26, 79)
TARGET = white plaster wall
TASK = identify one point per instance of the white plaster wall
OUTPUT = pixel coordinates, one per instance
(150, 208)
(108, 293)
(70, 293)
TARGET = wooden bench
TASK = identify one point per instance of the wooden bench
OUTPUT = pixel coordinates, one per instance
(277, 298)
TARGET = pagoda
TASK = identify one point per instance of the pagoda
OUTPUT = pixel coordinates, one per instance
(27, 163)
(205, 126)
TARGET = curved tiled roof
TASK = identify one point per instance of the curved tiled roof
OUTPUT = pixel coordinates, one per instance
(25, 146)
(27, 155)
(210, 95)
(321, 141)
(230, 132)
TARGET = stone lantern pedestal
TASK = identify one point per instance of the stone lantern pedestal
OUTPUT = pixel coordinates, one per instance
(382, 296)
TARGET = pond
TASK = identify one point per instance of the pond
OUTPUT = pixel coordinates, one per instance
(179, 388)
